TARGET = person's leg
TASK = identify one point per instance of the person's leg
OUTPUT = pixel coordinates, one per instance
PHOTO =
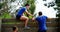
(39, 31)
(24, 18)
(42, 31)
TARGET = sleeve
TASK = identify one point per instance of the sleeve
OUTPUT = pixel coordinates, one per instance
(25, 9)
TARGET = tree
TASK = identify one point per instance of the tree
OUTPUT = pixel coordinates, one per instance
(4, 9)
(58, 14)
(1, 4)
(58, 8)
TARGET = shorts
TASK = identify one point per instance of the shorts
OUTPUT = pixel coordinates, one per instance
(18, 17)
(42, 31)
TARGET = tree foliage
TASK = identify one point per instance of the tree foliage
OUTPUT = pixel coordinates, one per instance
(1, 4)
(58, 8)
(4, 10)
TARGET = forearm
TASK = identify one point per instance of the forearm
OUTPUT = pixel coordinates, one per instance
(29, 14)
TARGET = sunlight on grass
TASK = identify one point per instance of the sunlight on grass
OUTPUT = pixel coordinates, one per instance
(11, 23)
(6, 15)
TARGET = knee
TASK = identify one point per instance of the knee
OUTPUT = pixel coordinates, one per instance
(27, 18)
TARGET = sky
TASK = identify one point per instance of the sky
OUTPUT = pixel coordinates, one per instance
(49, 12)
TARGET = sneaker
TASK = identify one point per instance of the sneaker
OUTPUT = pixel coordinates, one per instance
(27, 28)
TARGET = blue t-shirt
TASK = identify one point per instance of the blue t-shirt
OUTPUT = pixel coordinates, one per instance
(21, 11)
(42, 22)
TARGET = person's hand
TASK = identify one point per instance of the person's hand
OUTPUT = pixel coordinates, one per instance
(33, 19)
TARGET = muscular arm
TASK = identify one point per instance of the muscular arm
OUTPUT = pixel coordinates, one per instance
(28, 13)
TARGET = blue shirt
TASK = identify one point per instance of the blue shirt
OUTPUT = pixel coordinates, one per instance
(21, 11)
(42, 22)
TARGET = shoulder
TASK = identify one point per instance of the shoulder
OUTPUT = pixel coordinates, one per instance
(24, 8)
(45, 16)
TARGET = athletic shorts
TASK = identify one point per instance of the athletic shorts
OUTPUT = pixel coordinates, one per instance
(18, 17)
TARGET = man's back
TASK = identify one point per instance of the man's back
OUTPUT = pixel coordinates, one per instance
(42, 22)
(21, 11)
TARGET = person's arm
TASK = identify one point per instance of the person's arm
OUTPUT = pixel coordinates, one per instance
(28, 13)
(33, 19)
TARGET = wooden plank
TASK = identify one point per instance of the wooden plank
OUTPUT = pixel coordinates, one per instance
(32, 29)
(51, 24)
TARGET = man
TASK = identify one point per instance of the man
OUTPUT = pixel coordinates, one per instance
(20, 15)
(41, 22)
(15, 29)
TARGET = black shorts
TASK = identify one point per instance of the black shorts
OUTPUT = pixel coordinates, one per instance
(42, 31)
(18, 17)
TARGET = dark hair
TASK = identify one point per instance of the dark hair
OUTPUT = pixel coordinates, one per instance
(26, 4)
(40, 13)
(13, 28)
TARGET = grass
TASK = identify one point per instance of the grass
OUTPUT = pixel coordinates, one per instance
(17, 22)
(11, 23)
(6, 15)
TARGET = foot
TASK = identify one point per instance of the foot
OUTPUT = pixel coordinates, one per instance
(27, 28)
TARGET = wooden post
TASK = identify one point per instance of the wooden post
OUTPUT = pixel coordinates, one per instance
(0, 25)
